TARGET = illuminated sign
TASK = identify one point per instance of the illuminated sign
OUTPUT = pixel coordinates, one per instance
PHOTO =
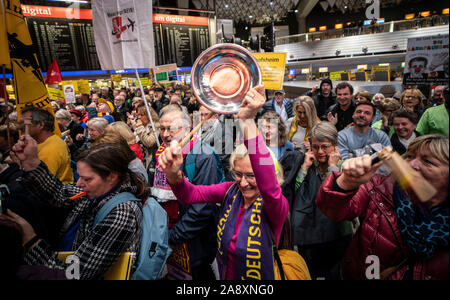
(323, 28)
(338, 26)
(312, 29)
(323, 69)
(409, 16)
(305, 71)
(445, 11)
(362, 67)
(425, 14)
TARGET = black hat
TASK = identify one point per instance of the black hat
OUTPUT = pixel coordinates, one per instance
(326, 80)
(159, 89)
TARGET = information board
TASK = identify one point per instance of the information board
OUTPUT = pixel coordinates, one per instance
(70, 42)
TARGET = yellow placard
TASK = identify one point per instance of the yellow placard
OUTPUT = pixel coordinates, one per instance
(69, 82)
(272, 69)
(55, 94)
(83, 86)
(116, 77)
(144, 81)
(336, 75)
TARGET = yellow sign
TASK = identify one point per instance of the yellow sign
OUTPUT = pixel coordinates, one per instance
(28, 81)
(116, 77)
(272, 69)
(55, 94)
(69, 82)
(336, 75)
(4, 51)
(323, 69)
(144, 81)
(83, 87)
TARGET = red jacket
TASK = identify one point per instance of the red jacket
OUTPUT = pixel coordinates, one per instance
(378, 233)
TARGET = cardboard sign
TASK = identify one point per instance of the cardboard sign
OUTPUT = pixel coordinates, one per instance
(165, 73)
(69, 93)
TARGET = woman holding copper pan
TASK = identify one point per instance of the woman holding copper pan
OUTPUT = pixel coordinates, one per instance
(253, 206)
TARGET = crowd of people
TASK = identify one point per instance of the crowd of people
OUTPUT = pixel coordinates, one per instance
(294, 173)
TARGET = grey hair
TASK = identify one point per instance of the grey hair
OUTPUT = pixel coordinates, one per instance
(324, 132)
(185, 118)
(99, 123)
(63, 114)
(81, 108)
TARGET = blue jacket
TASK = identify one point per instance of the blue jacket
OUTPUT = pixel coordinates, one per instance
(197, 222)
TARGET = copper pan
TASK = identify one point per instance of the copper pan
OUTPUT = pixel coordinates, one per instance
(222, 75)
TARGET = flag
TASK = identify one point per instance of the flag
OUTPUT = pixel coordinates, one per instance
(4, 51)
(123, 32)
(29, 84)
(53, 74)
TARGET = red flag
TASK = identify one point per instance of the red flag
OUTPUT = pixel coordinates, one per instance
(53, 74)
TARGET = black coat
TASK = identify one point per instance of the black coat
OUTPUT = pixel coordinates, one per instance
(45, 219)
(309, 224)
(397, 146)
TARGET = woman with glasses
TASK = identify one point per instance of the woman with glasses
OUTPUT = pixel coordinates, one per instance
(412, 100)
(304, 119)
(253, 206)
(320, 240)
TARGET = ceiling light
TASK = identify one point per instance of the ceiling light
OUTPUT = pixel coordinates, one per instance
(296, 11)
(226, 6)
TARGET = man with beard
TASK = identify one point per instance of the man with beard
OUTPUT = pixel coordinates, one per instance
(341, 113)
(358, 136)
(323, 97)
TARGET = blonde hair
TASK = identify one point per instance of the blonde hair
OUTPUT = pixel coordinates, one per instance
(123, 130)
(418, 94)
(437, 145)
(308, 104)
(241, 152)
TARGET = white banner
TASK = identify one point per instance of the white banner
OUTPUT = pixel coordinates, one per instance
(123, 31)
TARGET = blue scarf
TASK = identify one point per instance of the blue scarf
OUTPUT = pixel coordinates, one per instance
(424, 231)
(254, 257)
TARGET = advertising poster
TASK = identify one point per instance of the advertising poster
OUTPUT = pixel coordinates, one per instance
(166, 73)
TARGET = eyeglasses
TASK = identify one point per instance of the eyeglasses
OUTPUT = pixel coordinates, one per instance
(322, 147)
(250, 177)
(170, 129)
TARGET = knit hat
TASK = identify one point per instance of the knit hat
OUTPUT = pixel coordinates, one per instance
(326, 80)
(76, 112)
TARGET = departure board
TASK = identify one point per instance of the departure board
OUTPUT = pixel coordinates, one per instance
(179, 44)
(71, 42)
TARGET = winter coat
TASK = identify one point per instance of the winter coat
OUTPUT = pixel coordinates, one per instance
(379, 233)
(309, 224)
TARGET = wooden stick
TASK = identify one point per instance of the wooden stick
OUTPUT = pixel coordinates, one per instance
(27, 123)
(406, 176)
(193, 131)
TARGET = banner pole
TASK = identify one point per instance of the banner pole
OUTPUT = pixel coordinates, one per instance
(7, 106)
(146, 106)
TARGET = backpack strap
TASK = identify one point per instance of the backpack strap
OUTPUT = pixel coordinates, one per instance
(277, 256)
(111, 204)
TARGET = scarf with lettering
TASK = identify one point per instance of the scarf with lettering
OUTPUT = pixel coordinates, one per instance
(254, 257)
